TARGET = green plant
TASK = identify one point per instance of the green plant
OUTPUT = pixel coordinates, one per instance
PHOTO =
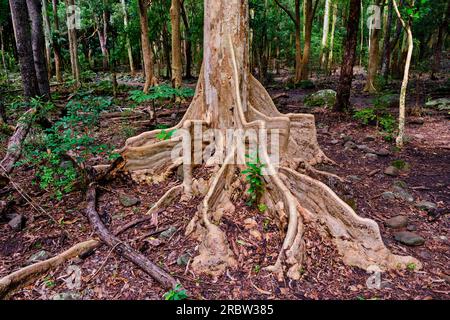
(165, 135)
(266, 224)
(257, 268)
(176, 294)
(400, 164)
(262, 207)
(366, 116)
(255, 179)
(411, 266)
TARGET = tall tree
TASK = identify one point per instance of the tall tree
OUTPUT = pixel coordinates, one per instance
(22, 32)
(442, 33)
(333, 31)
(374, 53)
(188, 40)
(386, 55)
(55, 42)
(326, 27)
(177, 63)
(73, 40)
(349, 59)
(127, 37)
(410, 41)
(38, 45)
(147, 54)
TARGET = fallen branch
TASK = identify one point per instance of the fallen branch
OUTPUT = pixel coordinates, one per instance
(121, 248)
(18, 278)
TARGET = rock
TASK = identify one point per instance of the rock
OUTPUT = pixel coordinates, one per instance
(168, 233)
(388, 195)
(397, 222)
(128, 201)
(392, 171)
(365, 149)
(250, 223)
(38, 257)
(350, 145)
(354, 178)
(17, 222)
(426, 206)
(409, 238)
(402, 194)
(425, 255)
(369, 138)
(67, 296)
(383, 153)
(371, 156)
(440, 104)
(323, 98)
(418, 121)
(183, 260)
(334, 142)
(347, 138)
(256, 234)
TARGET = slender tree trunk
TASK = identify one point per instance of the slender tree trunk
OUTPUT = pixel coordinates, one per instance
(310, 13)
(333, 30)
(326, 27)
(361, 35)
(146, 49)
(443, 27)
(177, 64)
(73, 42)
(374, 57)
(386, 56)
(48, 42)
(402, 117)
(22, 32)
(38, 45)
(188, 47)
(348, 61)
(55, 42)
(2, 48)
(128, 42)
(102, 31)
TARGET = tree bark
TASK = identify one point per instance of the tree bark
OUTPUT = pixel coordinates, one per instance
(188, 40)
(348, 61)
(333, 31)
(38, 45)
(2, 49)
(443, 29)
(146, 49)
(326, 27)
(309, 14)
(402, 117)
(386, 56)
(374, 58)
(55, 43)
(22, 31)
(177, 64)
(73, 43)
(128, 42)
(48, 42)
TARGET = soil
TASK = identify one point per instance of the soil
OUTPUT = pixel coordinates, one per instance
(108, 276)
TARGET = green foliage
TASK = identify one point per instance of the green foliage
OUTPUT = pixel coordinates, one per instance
(176, 294)
(56, 172)
(160, 93)
(411, 267)
(254, 178)
(165, 135)
(262, 207)
(400, 164)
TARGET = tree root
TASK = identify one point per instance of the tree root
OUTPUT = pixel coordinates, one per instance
(166, 280)
(27, 274)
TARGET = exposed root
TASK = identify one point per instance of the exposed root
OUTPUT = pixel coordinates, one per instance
(27, 274)
(163, 203)
(123, 249)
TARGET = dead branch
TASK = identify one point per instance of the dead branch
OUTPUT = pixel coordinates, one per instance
(27, 274)
(121, 248)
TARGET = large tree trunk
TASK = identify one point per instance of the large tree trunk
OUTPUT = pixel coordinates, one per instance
(309, 15)
(177, 64)
(333, 31)
(22, 32)
(146, 48)
(128, 42)
(102, 31)
(229, 98)
(349, 59)
(48, 41)
(55, 42)
(38, 45)
(386, 56)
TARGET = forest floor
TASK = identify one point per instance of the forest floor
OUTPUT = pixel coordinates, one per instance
(425, 176)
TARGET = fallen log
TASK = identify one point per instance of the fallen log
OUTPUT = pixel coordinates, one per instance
(27, 274)
(121, 248)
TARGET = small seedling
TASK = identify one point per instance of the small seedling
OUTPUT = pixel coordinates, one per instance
(255, 179)
(262, 207)
(176, 294)
(411, 266)
(257, 268)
